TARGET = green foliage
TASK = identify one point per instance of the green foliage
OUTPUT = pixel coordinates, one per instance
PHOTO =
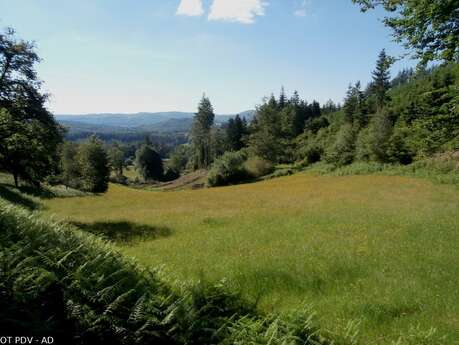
(94, 166)
(29, 135)
(116, 158)
(88, 291)
(258, 167)
(362, 145)
(312, 154)
(28, 146)
(379, 134)
(149, 163)
(354, 105)
(418, 118)
(430, 27)
(277, 124)
(266, 140)
(397, 147)
(381, 78)
(276, 331)
(427, 109)
(179, 158)
(201, 134)
(218, 142)
(170, 175)
(341, 152)
(316, 124)
(69, 167)
(236, 129)
(441, 168)
(228, 169)
(311, 146)
(59, 281)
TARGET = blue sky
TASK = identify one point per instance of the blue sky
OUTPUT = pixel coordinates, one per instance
(162, 55)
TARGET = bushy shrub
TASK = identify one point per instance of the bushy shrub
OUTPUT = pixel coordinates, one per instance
(228, 169)
(258, 167)
(360, 168)
(341, 152)
(380, 132)
(120, 179)
(397, 148)
(315, 124)
(313, 154)
(170, 175)
(452, 145)
(362, 147)
(179, 158)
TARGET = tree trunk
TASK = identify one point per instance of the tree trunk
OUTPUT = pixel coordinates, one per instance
(16, 182)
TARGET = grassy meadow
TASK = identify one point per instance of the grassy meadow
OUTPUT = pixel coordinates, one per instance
(380, 251)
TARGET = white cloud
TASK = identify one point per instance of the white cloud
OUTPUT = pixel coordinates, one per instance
(190, 8)
(242, 11)
(303, 8)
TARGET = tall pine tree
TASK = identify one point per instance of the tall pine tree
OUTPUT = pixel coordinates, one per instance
(201, 134)
(235, 131)
(282, 99)
(381, 78)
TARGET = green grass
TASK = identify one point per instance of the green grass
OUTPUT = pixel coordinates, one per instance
(381, 251)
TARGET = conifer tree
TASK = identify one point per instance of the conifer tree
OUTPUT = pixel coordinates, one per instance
(288, 117)
(315, 109)
(301, 113)
(235, 131)
(201, 137)
(266, 137)
(282, 99)
(295, 99)
(329, 107)
(354, 105)
(381, 78)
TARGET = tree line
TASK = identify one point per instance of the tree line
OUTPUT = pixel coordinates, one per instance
(390, 120)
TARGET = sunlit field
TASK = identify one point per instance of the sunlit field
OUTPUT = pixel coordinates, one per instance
(380, 251)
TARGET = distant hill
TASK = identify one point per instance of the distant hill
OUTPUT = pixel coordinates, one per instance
(139, 122)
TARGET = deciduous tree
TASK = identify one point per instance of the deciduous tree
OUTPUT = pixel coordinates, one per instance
(29, 135)
(94, 166)
(430, 27)
(149, 163)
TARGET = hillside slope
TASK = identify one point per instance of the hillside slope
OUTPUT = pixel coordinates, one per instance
(63, 283)
(382, 250)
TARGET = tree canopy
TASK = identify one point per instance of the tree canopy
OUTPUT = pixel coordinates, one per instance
(149, 163)
(29, 135)
(430, 27)
(94, 166)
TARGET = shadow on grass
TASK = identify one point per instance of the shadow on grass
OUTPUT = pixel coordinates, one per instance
(123, 231)
(42, 193)
(16, 197)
